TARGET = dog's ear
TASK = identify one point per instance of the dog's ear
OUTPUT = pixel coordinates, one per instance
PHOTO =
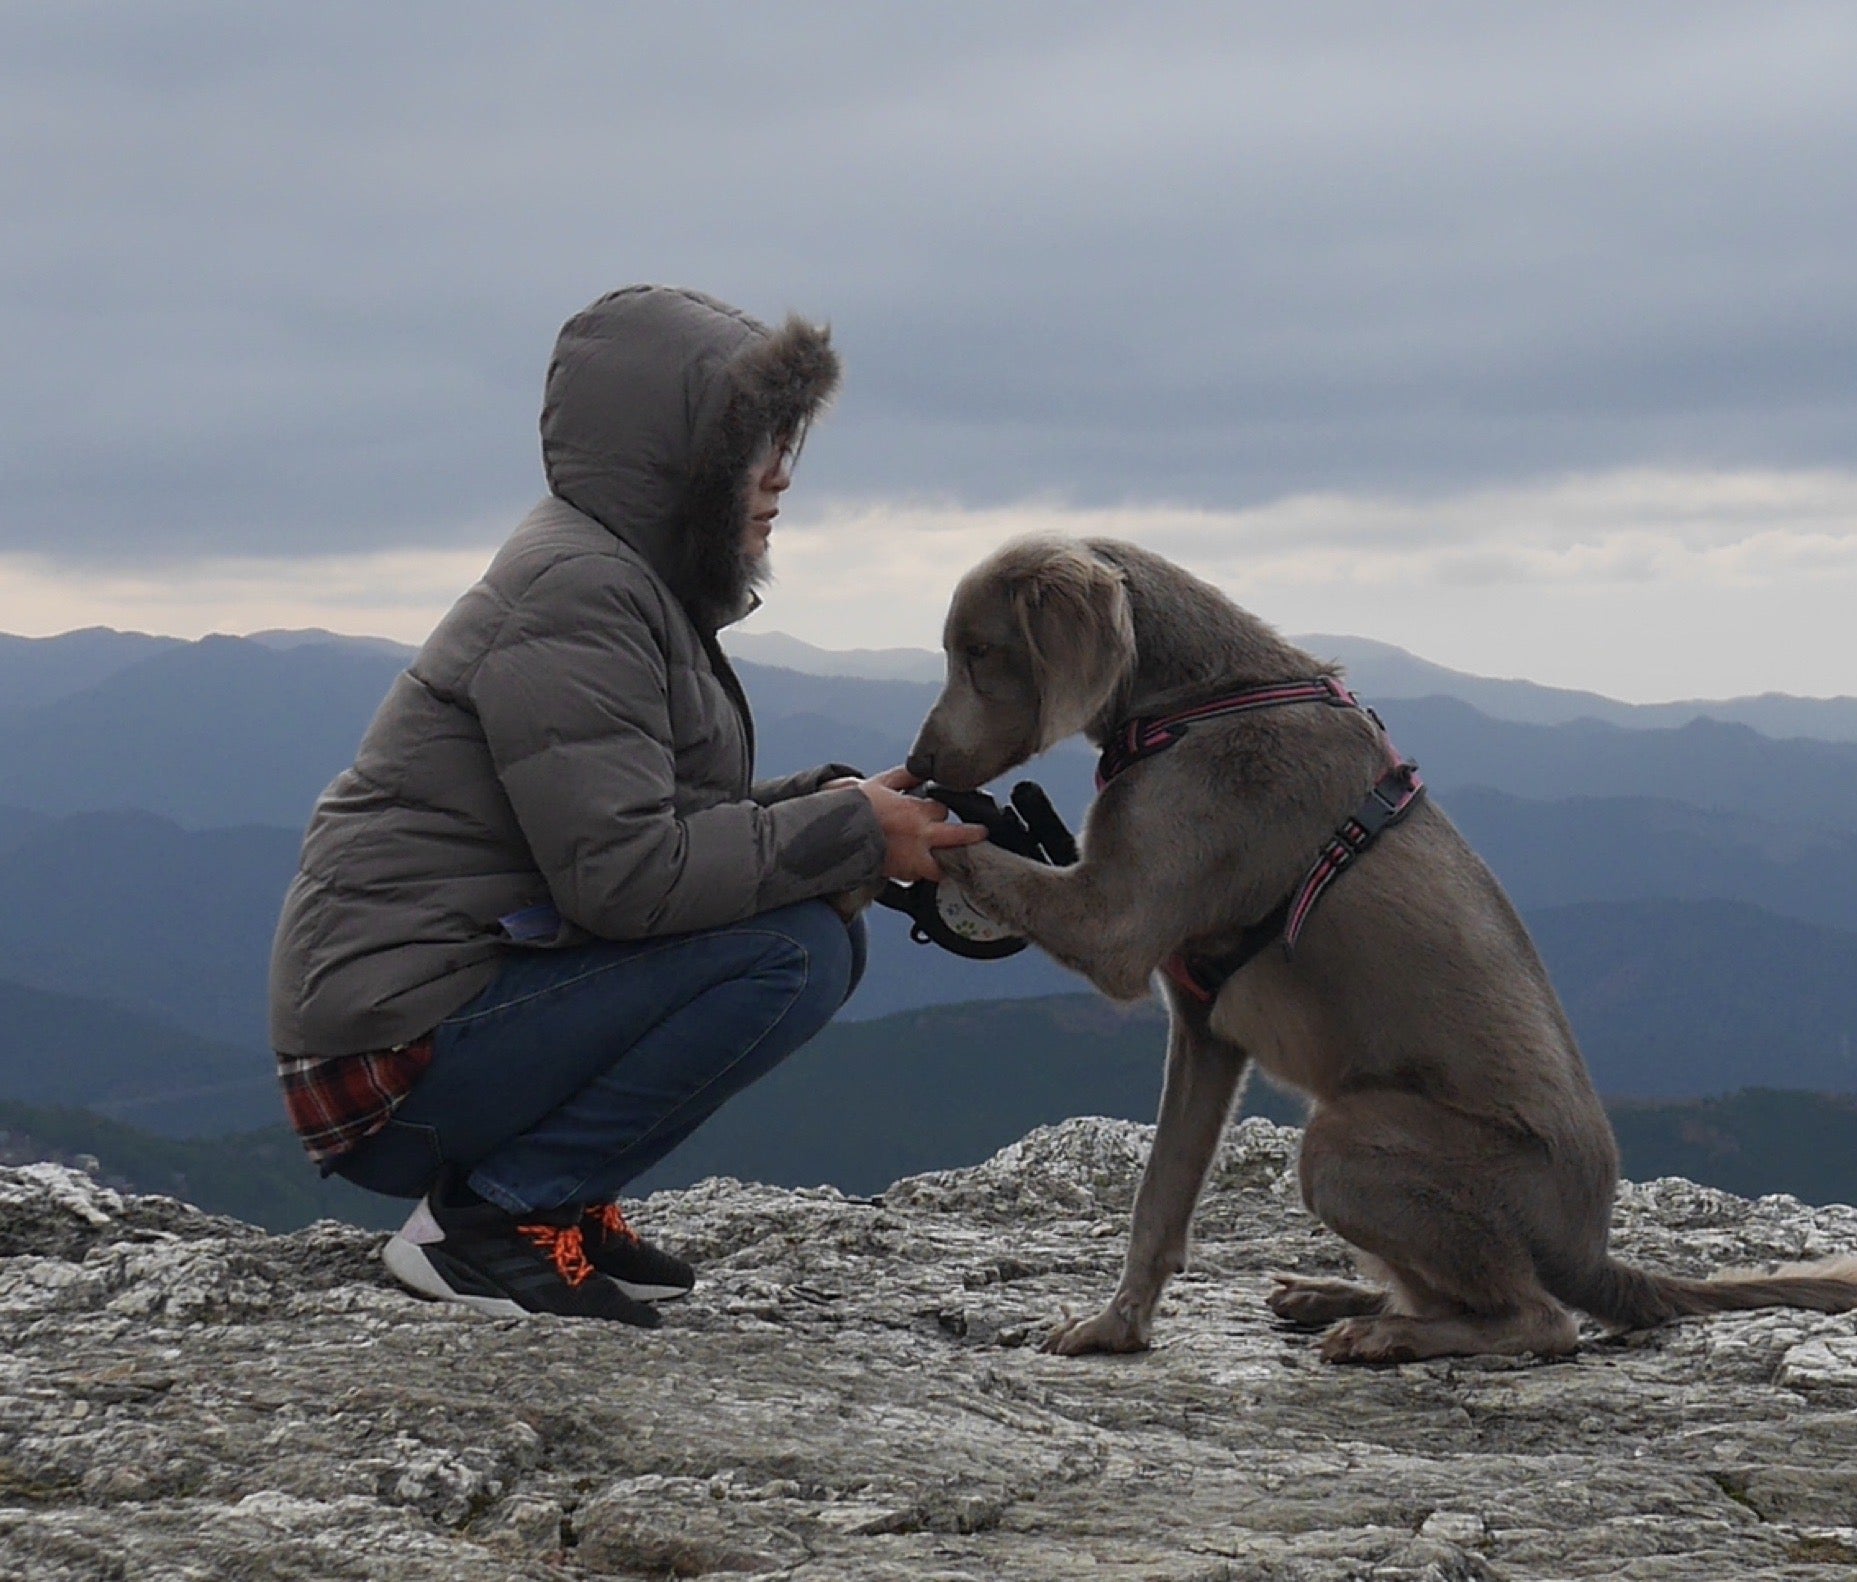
(1074, 612)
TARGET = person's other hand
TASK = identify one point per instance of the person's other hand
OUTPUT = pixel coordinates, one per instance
(915, 827)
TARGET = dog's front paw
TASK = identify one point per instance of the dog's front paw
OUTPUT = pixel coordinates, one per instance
(981, 887)
(1109, 1330)
(955, 862)
(968, 869)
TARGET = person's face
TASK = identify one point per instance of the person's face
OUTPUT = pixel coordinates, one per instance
(770, 476)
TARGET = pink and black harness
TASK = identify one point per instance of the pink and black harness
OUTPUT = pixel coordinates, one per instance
(1393, 796)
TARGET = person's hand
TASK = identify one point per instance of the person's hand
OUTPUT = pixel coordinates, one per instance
(915, 827)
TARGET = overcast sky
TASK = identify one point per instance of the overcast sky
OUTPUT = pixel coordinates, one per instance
(1523, 336)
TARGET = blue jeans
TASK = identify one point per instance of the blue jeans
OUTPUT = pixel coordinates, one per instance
(579, 1069)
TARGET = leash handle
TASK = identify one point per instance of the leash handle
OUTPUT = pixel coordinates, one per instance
(1004, 826)
(1047, 828)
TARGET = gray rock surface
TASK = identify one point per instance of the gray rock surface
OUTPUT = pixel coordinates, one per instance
(855, 1391)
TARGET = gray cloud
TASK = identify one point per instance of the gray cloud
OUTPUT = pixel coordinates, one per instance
(276, 281)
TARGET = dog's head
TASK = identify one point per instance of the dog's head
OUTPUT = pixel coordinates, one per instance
(1038, 637)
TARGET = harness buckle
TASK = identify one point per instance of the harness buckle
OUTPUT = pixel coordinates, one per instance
(1388, 800)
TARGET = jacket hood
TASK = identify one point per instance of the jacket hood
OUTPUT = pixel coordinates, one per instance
(657, 402)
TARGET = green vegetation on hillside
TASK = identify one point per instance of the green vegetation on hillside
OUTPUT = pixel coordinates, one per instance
(1758, 1141)
(262, 1176)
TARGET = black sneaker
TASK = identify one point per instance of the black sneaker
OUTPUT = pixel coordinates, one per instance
(476, 1254)
(644, 1272)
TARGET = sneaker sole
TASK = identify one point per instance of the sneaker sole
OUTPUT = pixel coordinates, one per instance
(650, 1293)
(407, 1263)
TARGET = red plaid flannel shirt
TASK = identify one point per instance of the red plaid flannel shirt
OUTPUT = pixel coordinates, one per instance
(337, 1101)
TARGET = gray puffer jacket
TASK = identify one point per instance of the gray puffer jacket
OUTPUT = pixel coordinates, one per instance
(571, 733)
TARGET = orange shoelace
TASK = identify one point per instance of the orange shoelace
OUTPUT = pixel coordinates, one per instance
(611, 1219)
(563, 1244)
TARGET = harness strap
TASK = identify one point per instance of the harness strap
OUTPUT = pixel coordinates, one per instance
(1203, 976)
(1146, 735)
(1393, 796)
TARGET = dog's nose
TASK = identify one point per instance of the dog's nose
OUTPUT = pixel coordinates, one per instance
(921, 764)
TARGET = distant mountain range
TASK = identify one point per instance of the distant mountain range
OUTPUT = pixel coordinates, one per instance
(1688, 998)
(259, 1176)
(1381, 671)
(35, 670)
(38, 670)
(233, 731)
(949, 1085)
(222, 731)
(868, 1103)
(1670, 999)
(172, 923)
(1692, 881)
(176, 925)
(779, 651)
(71, 1051)
(1587, 848)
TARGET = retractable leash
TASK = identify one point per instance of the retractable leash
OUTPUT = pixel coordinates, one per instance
(938, 913)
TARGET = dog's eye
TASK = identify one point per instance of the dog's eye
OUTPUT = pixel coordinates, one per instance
(977, 650)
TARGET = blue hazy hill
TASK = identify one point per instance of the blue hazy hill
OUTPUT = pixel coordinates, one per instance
(232, 731)
(222, 731)
(37, 670)
(197, 763)
(1382, 671)
(177, 923)
(67, 1050)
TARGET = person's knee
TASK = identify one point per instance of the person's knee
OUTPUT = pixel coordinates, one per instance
(860, 952)
(826, 950)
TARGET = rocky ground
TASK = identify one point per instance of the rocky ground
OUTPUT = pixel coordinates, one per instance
(856, 1392)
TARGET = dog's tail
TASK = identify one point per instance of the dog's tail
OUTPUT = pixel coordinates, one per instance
(1628, 1298)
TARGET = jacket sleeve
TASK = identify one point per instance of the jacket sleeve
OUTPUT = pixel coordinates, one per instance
(804, 783)
(573, 701)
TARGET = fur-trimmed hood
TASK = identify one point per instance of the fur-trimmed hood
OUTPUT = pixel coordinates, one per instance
(657, 402)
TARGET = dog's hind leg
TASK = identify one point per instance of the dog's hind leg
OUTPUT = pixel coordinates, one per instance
(1316, 1303)
(1542, 1328)
(1440, 1199)
(1203, 1077)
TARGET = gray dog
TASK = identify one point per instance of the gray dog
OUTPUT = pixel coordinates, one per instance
(1454, 1138)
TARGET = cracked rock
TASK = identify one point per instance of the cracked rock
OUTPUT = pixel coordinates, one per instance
(855, 1391)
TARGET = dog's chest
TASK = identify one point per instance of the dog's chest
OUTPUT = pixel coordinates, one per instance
(1280, 1033)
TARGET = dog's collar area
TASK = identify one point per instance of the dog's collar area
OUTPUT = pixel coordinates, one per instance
(1147, 734)
(1391, 798)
